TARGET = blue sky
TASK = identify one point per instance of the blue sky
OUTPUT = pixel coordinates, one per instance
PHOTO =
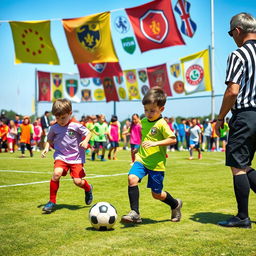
(18, 80)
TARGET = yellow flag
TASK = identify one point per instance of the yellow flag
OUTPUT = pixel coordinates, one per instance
(57, 86)
(89, 38)
(32, 42)
(132, 84)
(196, 72)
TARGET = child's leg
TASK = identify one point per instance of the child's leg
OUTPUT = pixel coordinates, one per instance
(165, 197)
(133, 192)
(191, 147)
(103, 152)
(114, 153)
(82, 183)
(54, 184)
(22, 148)
(29, 148)
(109, 153)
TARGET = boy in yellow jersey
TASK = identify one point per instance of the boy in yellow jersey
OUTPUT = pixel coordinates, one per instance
(150, 160)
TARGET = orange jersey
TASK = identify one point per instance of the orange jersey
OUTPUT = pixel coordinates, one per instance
(3, 132)
(25, 133)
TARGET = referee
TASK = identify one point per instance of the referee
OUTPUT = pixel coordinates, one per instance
(240, 98)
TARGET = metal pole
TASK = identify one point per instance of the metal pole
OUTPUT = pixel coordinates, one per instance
(212, 61)
(114, 110)
(36, 105)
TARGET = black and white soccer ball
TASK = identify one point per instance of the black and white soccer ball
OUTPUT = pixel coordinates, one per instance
(103, 216)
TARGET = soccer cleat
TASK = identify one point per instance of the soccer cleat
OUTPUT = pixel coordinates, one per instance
(49, 207)
(89, 196)
(103, 160)
(236, 222)
(109, 157)
(31, 153)
(131, 217)
(114, 158)
(176, 213)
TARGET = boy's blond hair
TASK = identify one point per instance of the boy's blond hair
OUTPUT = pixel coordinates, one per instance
(61, 107)
(156, 96)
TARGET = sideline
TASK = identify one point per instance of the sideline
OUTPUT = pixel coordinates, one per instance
(40, 182)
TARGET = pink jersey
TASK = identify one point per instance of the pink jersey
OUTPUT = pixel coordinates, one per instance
(114, 132)
(66, 140)
(37, 131)
(135, 131)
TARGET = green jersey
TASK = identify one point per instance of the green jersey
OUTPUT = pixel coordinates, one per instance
(101, 129)
(154, 158)
(224, 130)
(90, 127)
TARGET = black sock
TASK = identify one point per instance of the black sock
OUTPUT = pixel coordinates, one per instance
(242, 190)
(134, 194)
(252, 179)
(172, 202)
(93, 156)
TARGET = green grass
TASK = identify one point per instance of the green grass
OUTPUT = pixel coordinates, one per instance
(204, 186)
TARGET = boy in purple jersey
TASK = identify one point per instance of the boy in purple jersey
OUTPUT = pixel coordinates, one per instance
(69, 138)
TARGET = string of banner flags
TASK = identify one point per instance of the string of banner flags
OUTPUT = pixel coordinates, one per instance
(126, 85)
(146, 27)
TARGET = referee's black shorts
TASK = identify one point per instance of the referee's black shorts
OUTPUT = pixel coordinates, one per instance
(242, 139)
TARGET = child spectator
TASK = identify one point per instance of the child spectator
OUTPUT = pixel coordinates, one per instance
(25, 132)
(68, 139)
(37, 135)
(194, 139)
(3, 135)
(114, 136)
(101, 131)
(12, 136)
(135, 135)
(150, 160)
(207, 134)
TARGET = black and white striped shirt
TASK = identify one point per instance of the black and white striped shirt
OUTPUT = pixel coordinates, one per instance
(241, 69)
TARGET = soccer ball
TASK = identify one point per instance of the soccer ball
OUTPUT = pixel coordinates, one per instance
(103, 216)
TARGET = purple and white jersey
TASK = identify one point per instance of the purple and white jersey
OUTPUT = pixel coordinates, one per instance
(66, 140)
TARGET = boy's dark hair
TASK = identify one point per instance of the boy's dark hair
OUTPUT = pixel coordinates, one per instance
(156, 96)
(114, 118)
(61, 107)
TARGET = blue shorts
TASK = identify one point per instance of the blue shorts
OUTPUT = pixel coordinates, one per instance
(135, 146)
(195, 143)
(114, 144)
(155, 178)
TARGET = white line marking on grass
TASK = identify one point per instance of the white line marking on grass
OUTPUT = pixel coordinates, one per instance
(24, 171)
(36, 172)
(39, 182)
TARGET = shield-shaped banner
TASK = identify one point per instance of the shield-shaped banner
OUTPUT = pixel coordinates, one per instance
(98, 67)
(154, 25)
(71, 87)
(143, 75)
(175, 70)
(57, 80)
(89, 35)
(129, 44)
(86, 95)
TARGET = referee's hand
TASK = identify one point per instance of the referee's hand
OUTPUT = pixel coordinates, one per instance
(219, 124)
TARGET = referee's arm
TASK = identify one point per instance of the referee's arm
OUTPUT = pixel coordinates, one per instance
(228, 102)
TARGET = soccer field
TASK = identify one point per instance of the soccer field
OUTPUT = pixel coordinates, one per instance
(205, 186)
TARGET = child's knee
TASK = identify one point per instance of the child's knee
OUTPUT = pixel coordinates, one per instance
(133, 180)
(156, 196)
(78, 182)
(57, 174)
